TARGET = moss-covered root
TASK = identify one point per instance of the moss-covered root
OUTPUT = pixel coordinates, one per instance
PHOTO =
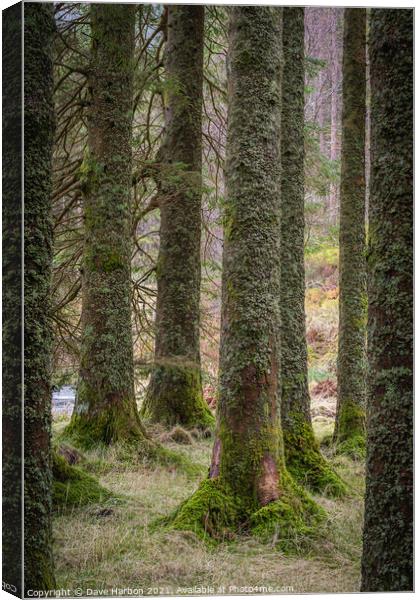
(307, 465)
(74, 487)
(214, 514)
(290, 521)
(175, 397)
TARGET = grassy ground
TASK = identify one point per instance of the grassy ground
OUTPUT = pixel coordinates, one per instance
(112, 546)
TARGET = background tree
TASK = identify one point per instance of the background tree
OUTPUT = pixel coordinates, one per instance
(303, 457)
(247, 475)
(39, 134)
(349, 432)
(175, 391)
(12, 297)
(387, 562)
(105, 409)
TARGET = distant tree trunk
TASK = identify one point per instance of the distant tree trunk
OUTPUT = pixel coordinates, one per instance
(39, 133)
(248, 482)
(105, 409)
(12, 297)
(175, 391)
(349, 431)
(387, 562)
(303, 458)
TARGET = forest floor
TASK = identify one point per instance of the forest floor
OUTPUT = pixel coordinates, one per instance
(103, 547)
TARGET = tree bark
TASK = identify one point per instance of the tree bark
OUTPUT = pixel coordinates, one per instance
(12, 299)
(387, 562)
(303, 457)
(349, 431)
(175, 391)
(248, 482)
(38, 239)
(105, 410)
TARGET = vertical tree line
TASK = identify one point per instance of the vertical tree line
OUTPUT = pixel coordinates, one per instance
(349, 430)
(387, 561)
(105, 410)
(175, 392)
(38, 245)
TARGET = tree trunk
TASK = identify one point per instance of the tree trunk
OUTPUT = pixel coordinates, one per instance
(105, 409)
(39, 132)
(303, 458)
(349, 431)
(12, 299)
(248, 482)
(387, 562)
(175, 391)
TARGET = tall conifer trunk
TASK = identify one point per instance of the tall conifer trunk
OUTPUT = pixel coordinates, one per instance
(175, 391)
(105, 408)
(39, 134)
(387, 561)
(303, 457)
(248, 483)
(349, 431)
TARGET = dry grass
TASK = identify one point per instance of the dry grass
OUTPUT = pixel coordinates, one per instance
(105, 549)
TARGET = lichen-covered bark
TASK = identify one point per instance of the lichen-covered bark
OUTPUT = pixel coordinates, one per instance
(248, 482)
(349, 432)
(175, 391)
(303, 457)
(387, 562)
(39, 130)
(12, 300)
(105, 410)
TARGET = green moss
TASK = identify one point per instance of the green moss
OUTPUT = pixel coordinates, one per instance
(211, 512)
(175, 397)
(289, 520)
(305, 462)
(349, 434)
(74, 487)
(354, 447)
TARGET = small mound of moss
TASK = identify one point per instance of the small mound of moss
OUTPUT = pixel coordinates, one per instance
(74, 487)
(307, 465)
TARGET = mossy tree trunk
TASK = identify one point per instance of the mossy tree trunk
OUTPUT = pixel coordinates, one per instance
(105, 410)
(303, 457)
(349, 432)
(175, 391)
(248, 482)
(387, 562)
(12, 298)
(38, 238)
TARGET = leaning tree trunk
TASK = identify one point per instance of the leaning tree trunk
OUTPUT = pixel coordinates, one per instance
(175, 391)
(387, 561)
(349, 433)
(105, 410)
(303, 458)
(248, 482)
(39, 133)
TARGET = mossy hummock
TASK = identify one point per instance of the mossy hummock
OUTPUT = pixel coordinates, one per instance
(73, 487)
(303, 457)
(248, 487)
(387, 560)
(349, 431)
(175, 393)
(105, 410)
(39, 31)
